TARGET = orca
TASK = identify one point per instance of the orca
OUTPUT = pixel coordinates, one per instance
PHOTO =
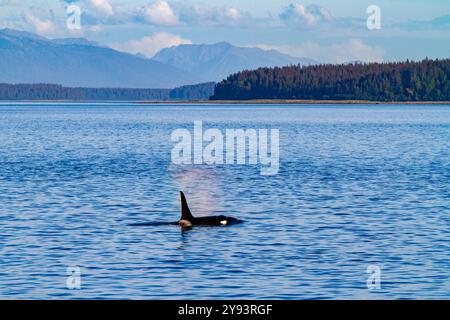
(188, 220)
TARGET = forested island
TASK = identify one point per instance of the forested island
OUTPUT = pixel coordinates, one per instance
(56, 92)
(427, 80)
(409, 81)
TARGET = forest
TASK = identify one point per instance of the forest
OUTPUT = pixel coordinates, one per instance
(57, 92)
(427, 80)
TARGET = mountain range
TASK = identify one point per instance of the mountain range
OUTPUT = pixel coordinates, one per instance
(78, 62)
(28, 58)
(217, 61)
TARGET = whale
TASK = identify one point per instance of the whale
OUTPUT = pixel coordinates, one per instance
(187, 220)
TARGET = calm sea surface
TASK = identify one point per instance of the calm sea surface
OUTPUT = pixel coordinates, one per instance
(358, 186)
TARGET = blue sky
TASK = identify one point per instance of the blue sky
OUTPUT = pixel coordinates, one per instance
(325, 30)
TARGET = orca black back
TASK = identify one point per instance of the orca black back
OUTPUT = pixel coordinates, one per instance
(188, 220)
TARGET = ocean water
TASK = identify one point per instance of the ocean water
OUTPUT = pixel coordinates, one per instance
(358, 187)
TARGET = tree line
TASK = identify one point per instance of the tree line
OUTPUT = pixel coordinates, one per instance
(427, 80)
(45, 91)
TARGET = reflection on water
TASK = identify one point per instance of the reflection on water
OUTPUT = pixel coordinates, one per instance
(357, 186)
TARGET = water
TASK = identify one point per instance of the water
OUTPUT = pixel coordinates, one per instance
(357, 186)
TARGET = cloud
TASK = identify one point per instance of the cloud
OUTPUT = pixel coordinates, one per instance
(150, 45)
(163, 14)
(102, 6)
(233, 13)
(315, 17)
(439, 23)
(160, 13)
(100, 13)
(348, 51)
(308, 17)
(214, 16)
(40, 26)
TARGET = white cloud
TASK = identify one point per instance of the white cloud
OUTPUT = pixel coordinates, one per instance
(349, 51)
(163, 13)
(40, 26)
(160, 13)
(233, 13)
(309, 16)
(214, 16)
(150, 45)
(102, 6)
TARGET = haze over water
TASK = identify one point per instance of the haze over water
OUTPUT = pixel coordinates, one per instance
(357, 186)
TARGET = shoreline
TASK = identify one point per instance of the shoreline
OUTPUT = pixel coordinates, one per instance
(236, 102)
(304, 102)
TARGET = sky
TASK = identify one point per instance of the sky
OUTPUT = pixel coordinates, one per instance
(324, 30)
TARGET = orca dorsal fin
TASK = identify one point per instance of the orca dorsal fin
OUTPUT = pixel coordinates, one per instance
(185, 212)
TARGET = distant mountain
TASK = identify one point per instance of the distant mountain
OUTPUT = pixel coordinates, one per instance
(217, 61)
(29, 58)
(78, 62)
